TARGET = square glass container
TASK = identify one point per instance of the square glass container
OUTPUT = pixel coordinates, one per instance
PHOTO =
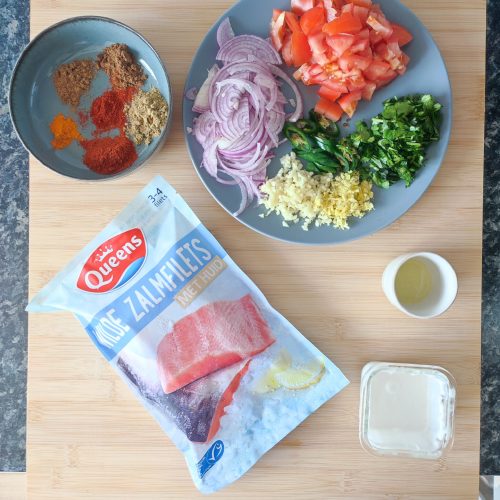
(407, 410)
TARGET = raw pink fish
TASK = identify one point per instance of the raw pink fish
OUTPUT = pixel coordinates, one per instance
(215, 336)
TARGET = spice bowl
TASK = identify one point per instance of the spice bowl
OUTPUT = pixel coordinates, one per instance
(34, 101)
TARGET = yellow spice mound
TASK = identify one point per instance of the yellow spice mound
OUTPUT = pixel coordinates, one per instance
(320, 199)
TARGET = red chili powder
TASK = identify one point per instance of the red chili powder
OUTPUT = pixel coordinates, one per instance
(83, 116)
(107, 110)
(109, 155)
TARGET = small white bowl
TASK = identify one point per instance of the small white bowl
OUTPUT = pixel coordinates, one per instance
(444, 285)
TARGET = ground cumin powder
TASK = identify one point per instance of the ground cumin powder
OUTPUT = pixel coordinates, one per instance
(73, 80)
(120, 66)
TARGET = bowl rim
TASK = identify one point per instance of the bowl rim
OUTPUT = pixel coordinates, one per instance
(162, 137)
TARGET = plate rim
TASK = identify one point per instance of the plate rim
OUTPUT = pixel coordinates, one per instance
(349, 239)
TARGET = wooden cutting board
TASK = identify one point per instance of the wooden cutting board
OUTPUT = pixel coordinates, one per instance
(87, 435)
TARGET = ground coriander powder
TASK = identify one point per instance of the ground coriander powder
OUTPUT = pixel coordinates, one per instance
(146, 116)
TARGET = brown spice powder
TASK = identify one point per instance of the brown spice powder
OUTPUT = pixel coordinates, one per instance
(146, 116)
(73, 80)
(121, 67)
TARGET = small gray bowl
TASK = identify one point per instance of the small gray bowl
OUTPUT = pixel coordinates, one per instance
(33, 100)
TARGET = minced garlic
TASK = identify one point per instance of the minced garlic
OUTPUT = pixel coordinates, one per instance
(297, 194)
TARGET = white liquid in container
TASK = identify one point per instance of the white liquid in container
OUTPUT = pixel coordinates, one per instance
(406, 410)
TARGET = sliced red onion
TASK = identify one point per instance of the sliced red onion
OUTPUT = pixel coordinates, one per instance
(243, 113)
(299, 109)
(201, 103)
(248, 48)
(191, 93)
(224, 32)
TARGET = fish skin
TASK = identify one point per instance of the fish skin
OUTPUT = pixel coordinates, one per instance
(194, 406)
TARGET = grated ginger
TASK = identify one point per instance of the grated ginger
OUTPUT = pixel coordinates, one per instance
(298, 194)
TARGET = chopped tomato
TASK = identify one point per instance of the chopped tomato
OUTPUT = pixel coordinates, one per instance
(344, 62)
(382, 50)
(356, 82)
(366, 52)
(340, 43)
(391, 53)
(317, 43)
(346, 23)
(330, 10)
(405, 59)
(322, 59)
(386, 78)
(338, 4)
(361, 13)
(393, 46)
(292, 21)
(349, 102)
(335, 86)
(347, 8)
(276, 13)
(361, 3)
(360, 45)
(376, 70)
(350, 61)
(329, 109)
(375, 37)
(301, 6)
(321, 53)
(278, 31)
(328, 94)
(380, 24)
(347, 47)
(313, 74)
(299, 73)
(403, 36)
(286, 51)
(301, 52)
(401, 70)
(313, 20)
(364, 34)
(367, 92)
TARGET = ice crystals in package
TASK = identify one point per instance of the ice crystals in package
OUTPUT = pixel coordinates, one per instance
(224, 374)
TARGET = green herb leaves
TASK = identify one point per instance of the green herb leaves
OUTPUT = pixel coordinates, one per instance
(392, 148)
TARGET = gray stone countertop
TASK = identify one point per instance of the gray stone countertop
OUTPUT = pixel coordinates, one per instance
(14, 35)
(490, 396)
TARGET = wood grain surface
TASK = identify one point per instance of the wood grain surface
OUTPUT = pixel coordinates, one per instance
(13, 486)
(87, 435)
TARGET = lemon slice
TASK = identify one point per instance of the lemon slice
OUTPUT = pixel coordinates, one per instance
(283, 374)
(301, 378)
(268, 382)
(282, 362)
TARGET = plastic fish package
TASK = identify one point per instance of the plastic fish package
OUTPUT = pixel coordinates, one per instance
(224, 374)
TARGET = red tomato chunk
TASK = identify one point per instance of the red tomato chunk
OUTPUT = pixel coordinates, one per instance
(347, 47)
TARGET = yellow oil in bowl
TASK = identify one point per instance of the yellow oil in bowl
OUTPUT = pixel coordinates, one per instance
(413, 282)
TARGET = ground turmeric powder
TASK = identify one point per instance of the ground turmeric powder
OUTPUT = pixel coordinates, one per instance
(65, 131)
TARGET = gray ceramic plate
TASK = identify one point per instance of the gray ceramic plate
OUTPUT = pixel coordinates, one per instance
(426, 74)
(34, 101)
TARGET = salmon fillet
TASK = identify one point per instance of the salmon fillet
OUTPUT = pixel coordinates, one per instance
(215, 336)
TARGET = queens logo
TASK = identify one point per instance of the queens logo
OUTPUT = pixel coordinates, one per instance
(114, 263)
